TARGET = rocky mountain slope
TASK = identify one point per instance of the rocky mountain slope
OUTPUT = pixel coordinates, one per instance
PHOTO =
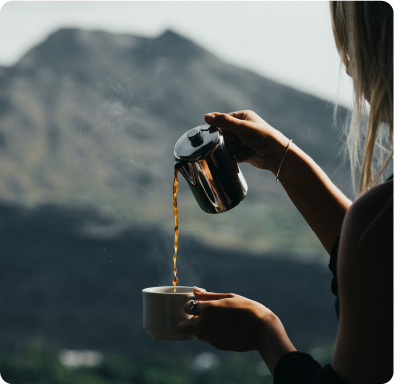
(91, 118)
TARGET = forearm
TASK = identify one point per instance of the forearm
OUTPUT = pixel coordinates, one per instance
(318, 200)
(254, 141)
(274, 342)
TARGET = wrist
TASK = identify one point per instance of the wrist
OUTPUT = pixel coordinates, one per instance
(279, 146)
(273, 341)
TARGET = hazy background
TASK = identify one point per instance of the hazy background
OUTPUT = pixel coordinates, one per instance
(289, 42)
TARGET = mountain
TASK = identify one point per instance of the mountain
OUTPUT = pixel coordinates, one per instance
(91, 118)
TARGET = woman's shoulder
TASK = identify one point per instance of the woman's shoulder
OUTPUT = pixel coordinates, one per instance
(367, 232)
(374, 198)
(365, 280)
(371, 215)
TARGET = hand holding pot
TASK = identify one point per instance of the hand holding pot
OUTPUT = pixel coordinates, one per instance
(252, 139)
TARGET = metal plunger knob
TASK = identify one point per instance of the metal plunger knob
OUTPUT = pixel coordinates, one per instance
(194, 135)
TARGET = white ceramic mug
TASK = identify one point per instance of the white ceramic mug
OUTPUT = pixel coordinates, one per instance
(163, 310)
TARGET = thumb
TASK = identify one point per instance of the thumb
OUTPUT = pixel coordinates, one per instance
(205, 296)
(223, 120)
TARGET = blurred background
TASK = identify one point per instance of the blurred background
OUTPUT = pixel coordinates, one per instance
(93, 97)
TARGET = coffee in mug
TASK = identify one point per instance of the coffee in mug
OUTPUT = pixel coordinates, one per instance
(163, 310)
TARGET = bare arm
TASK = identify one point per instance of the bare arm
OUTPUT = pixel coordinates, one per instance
(319, 201)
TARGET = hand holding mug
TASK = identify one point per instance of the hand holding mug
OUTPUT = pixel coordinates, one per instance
(234, 323)
(226, 321)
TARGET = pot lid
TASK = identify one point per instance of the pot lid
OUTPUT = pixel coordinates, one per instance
(196, 141)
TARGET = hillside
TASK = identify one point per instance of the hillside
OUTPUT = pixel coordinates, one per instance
(89, 117)
(66, 288)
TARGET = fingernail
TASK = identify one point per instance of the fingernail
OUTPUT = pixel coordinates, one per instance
(209, 118)
(201, 290)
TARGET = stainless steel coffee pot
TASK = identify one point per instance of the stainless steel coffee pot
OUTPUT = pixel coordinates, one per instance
(204, 160)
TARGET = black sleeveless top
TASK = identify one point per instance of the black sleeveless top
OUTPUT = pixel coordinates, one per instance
(333, 268)
(301, 368)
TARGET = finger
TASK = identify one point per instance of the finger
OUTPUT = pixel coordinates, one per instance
(189, 326)
(241, 115)
(207, 296)
(222, 120)
(203, 295)
(195, 311)
(248, 116)
(198, 289)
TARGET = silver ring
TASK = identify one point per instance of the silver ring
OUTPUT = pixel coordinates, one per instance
(192, 304)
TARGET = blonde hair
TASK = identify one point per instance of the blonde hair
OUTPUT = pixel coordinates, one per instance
(363, 33)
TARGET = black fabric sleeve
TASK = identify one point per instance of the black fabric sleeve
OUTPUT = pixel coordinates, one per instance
(300, 368)
(333, 268)
(333, 265)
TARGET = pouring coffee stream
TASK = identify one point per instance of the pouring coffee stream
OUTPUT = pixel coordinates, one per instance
(209, 168)
(175, 205)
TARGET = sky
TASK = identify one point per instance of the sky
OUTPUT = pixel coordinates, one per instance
(289, 42)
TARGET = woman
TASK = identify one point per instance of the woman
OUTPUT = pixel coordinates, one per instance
(361, 258)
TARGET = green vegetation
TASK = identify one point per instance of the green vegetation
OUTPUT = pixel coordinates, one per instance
(37, 365)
